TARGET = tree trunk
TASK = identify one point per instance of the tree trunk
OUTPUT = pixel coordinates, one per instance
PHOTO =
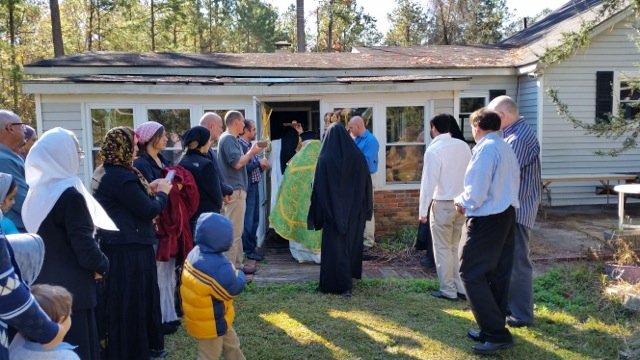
(330, 28)
(90, 29)
(14, 65)
(153, 27)
(56, 29)
(300, 37)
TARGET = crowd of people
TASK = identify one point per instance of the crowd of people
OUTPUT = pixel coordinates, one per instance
(152, 242)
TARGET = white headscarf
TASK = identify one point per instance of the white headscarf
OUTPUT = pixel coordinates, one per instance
(51, 168)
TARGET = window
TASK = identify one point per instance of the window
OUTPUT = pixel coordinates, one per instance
(629, 99)
(345, 114)
(103, 120)
(405, 144)
(467, 106)
(175, 122)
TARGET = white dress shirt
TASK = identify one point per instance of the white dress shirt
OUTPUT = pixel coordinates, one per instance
(445, 163)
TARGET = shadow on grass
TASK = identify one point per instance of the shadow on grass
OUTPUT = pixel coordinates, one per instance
(374, 324)
(387, 319)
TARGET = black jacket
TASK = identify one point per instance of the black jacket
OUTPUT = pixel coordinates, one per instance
(148, 167)
(204, 173)
(125, 199)
(72, 255)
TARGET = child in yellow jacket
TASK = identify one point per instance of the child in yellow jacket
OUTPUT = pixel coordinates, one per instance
(209, 284)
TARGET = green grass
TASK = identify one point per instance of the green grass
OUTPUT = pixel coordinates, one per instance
(398, 319)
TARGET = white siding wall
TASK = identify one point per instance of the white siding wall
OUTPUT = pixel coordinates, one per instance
(528, 100)
(485, 83)
(566, 150)
(66, 115)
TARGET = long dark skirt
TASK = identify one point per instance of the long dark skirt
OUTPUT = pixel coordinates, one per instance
(130, 303)
(84, 334)
(341, 258)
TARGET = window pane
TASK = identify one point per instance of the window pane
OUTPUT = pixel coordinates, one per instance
(404, 163)
(628, 92)
(405, 124)
(103, 120)
(345, 114)
(471, 104)
(175, 122)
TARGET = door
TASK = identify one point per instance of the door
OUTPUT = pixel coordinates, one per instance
(262, 115)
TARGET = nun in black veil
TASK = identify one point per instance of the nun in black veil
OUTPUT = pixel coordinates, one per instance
(341, 203)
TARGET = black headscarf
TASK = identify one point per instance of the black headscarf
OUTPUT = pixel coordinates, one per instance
(199, 134)
(342, 190)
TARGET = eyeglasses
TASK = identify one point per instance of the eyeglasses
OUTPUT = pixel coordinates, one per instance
(18, 123)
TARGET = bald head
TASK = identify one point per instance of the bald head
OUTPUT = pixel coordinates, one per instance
(213, 122)
(506, 108)
(356, 126)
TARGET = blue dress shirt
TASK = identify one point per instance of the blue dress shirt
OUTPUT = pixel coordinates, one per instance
(368, 144)
(492, 179)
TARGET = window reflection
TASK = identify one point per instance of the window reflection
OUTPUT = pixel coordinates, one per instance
(175, 122)
(103, 120)
(405, 143)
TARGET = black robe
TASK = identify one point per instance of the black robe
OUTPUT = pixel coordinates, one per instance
(341, 203)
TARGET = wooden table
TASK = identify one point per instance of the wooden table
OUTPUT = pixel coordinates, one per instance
(622, 190)
(604, 179)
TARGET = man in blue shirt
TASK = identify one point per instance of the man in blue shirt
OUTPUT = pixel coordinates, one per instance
(368, 144)
(522, 139)
(11, 139)
(489, 199)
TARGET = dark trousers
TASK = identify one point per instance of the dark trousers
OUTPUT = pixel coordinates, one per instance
(251, 219)
(485, 269)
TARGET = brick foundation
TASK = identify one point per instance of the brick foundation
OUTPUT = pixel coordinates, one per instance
(395, 209)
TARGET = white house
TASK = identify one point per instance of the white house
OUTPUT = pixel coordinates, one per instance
(396, 89)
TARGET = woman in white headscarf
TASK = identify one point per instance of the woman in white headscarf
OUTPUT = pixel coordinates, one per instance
(60, 209)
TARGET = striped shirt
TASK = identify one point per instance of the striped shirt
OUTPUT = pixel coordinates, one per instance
(525, 145)
(253, 166)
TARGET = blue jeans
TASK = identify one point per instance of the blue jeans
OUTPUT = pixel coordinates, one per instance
(251, 219)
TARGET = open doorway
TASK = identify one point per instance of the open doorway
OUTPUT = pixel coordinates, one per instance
(306, 113)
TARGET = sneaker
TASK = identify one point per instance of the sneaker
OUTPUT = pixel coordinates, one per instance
(249, 269)
(426, 262)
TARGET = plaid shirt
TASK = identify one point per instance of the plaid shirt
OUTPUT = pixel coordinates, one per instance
(253, 166)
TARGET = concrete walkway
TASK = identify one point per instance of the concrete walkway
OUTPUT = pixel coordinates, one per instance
(564, 234)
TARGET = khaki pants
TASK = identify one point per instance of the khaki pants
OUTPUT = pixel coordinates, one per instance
(227, 345)
(370, 232)
(234, 211)
(370, 228)
(446, 230)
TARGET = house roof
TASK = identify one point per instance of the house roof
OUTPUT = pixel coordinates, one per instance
(434, 57)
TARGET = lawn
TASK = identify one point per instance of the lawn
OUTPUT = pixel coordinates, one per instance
(398, 319)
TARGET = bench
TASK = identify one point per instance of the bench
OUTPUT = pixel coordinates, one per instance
(604, 179)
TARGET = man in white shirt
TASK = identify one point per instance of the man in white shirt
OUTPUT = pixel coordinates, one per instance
(445, 163)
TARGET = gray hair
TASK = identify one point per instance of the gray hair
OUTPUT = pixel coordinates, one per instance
(8, 117)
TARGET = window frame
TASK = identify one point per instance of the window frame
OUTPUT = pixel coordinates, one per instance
(428, 106)
(618, 79)
(457, 106)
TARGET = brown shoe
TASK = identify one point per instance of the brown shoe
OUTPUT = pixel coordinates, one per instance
(249, 269)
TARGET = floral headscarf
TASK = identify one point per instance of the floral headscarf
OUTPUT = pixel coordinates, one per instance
(117, 149)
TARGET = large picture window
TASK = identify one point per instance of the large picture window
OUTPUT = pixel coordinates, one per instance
(103, 120)
(175, 122)
(405, 144)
